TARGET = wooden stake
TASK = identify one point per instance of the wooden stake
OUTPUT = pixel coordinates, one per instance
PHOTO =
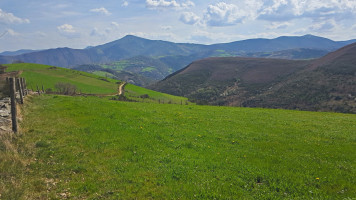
(22, 81)
(38, 90)
(20, 90)
(13, 104)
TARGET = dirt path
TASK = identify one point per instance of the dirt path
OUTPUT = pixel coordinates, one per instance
(122, 88)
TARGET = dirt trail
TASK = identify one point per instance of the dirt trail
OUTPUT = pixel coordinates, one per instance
(122, 88)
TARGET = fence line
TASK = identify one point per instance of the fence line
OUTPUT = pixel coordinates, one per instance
(17, 87)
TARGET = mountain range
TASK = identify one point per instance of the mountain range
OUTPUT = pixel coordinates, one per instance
(174, 56)
(324, 84)
(131, 46)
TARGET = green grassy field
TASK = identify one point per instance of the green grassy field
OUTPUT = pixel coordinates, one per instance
(93, 148)
(88, 83)
(135, 92)
(48, 76)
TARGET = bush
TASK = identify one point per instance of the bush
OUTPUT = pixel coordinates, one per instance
(66, 88)
(49, 90)
(145, 96)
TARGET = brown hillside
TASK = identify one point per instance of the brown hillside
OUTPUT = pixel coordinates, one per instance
(328, 84)
(212, 80)
(250, 70)
(325, 84)
(346, 54)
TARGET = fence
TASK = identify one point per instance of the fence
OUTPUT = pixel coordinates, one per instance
(16, 89)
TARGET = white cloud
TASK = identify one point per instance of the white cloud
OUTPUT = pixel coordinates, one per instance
(115, 24)
(323, 26)
(189, 18)
(223, 14)
(66, 28)
(278, 25)
(105, 32)
(101, 10)
(96, 32)
(163, 4)
(125, 4)
(12, 32)
(68, 31)
(283, 10)
(9, 18)
(166, 28)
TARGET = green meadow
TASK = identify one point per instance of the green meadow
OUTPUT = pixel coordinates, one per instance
(136, 93)
(94, 148)
(48, 76)
(87, 83)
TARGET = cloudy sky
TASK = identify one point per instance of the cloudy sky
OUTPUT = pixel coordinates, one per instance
(42, 24)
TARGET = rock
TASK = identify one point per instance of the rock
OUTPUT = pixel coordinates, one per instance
(6, 100)
(4, 128)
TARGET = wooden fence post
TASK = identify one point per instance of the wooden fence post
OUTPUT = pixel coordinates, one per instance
(42, 89)
(22, 87)
(20, 90)
(22, 82)
(13, 104)
(25, 85)
(38, 90)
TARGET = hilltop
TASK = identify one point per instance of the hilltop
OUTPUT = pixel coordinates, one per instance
(326, 84)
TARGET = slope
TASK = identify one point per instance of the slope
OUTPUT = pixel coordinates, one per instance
(213, 80)
(325, 84)
(92, 148)
(87, 83)
(49, 76)
(328, 84)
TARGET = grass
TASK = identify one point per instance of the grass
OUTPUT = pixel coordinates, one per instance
(135, 92)
(119, 65)
(148, 69)
(102, 74)
(92, 148)
(48, 76)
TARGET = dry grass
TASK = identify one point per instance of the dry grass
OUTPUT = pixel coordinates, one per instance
(11, 166)
(12, 162)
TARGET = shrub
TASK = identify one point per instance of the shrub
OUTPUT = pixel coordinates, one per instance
(66, 88)
(145, 96)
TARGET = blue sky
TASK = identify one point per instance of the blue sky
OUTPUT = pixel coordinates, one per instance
(41, 24)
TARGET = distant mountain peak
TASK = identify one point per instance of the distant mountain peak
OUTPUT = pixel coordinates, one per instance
(132, 37)
(309, 35)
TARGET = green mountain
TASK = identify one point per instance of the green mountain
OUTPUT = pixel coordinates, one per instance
(325, 84)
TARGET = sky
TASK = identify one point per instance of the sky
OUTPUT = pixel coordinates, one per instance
(43, 24)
